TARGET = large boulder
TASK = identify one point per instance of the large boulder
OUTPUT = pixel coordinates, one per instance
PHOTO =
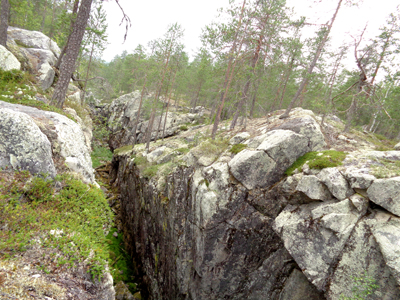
(8, 61)
(265, 165)
(64, 138)
(252, 168)
(36, 52)
(22, 145)
(303, 122)
(336, 183)
(386, 193)
(313, 188)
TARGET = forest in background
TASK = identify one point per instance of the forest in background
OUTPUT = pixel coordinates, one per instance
(255, 59)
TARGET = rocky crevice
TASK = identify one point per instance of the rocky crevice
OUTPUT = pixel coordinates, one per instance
(235, 228)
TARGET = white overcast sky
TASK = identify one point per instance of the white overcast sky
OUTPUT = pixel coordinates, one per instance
(150, 19)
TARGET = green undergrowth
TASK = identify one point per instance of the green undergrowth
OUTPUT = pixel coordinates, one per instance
(363, 286)
(121, 264)
(210, 147)
(386, 168)
(63, 213)
(381, 142)
(237, 148)
(17, 87)
(123, 149)
(100, 155)
(149, 170)
(318, 160)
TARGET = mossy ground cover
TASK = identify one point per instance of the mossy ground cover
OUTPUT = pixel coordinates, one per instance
(100, 155)
(318, 160)
(121, 264)
(210, 147)
(386, 168)
(237, 148)
(17, 87)
(63, 213)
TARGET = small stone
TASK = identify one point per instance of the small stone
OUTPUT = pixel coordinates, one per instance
(36, 276)
(115, 234)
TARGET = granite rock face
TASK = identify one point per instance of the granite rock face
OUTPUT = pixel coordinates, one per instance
(55, 140)
(239, 228)
(22, 145)
(8, 61)
(122, 113)
(36, 52)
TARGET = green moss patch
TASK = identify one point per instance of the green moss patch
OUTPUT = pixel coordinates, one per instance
(63, 213)
(237, 148)
(318, 160)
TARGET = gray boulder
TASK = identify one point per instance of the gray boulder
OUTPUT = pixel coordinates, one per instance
(313, 188)
(359, 178)
(36, 51)
(252, 168)
(386, 193)
(22, 145)
(8, 61)
(262, 167)
(284, 146)
(122, 115)
(397, 147)
(297, 287)
(336, 183)
(306, 125)
(239, 138)
(32, 39)
(64, 135)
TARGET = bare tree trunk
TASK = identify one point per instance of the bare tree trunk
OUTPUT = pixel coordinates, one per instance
(5, 11)
(254, 98)
(312, 65)
(197, 97)
(64, 49)
(87, 74)
(253, 65)
(350, 114)
(169, 99)
(153, 111)
(68, 66)
(228, 74)
(44, 16)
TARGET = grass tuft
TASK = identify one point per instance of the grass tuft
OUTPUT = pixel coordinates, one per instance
(237, 148)
(318, 160)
